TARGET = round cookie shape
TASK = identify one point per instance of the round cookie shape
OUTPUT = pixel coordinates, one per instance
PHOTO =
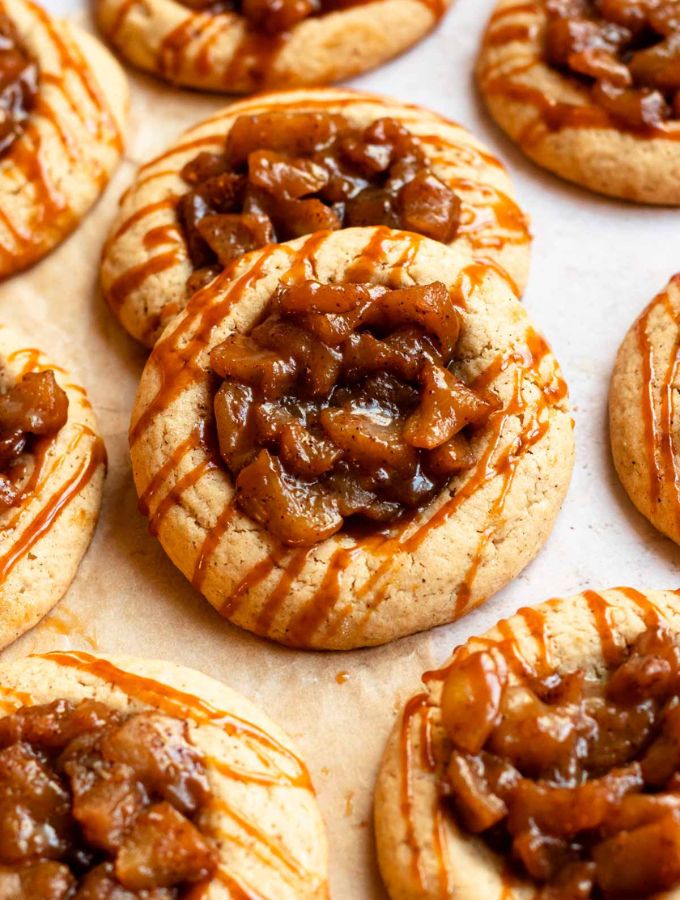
(356, 590)
(555, 120)
(644, 409)
(45, 534)
(146, 262)
(424, 851)
(262, 815)
(56, 168)
(224, 52)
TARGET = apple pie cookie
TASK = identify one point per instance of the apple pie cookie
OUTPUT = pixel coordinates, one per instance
(643, 411)
(351, 437)
(52, 464)
(130, 778)
(63, 99)
(238, 48)
(542, 760)
(590, 89)
(283, 165)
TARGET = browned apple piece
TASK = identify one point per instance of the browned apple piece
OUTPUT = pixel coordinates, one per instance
(632, 14)
(354, 497)
(274, 16)
(320, 364)
(101, 883)
(641, 678)
(635, 107)
(371, 206)
(662, 757)
(542, 855)
(454, 456)
(304, 453)
(428, 306)
(368, 157)
(635, 810)
(35, 403)
(620, 734)
(229, 236)
(106, 801)
(204, 166)
(296, 133)
(430, 207)
(402, 353)
(40, 881)
(640, 862)
(52, 726)
(471, 699)
(299, 513)
(233, 407)
(390, 131)
(295, 218)
(567, 36)
(601, 64)
(476, 804)
(157, 749)
(575, 881)
(369, 442)
(240, 357)
(447, 405)
(223, 193)
(284, 176)
(664, 17)
(659, 65)
(330, 311)
(162, 849)
(565, 811)
(191, 208)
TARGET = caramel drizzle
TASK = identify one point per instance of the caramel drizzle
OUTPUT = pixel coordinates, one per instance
(176, 360)
(505, 79)
(657, 389)
(281, 767)
(490, 219)
(22, 242)
(538, 664)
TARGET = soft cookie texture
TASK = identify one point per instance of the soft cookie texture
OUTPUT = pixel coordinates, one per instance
(55, 170)
(644, 411)
(44, 537)
(557, 124)
(423, 853)
(344, 592)
(263, 816)
(144, 280)
(223, 53)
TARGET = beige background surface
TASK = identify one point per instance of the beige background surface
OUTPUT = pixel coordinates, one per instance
(596, 264)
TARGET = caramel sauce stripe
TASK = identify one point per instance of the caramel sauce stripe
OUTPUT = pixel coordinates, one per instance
(658, 383)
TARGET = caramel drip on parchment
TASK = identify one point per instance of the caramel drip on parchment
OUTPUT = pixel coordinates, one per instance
(506, 79)
(658, 379)
(489, 220)
(176, 358)
(280, 766)
(24, 240)
(536, 664)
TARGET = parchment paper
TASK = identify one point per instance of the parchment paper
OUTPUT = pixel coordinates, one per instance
(596, 264)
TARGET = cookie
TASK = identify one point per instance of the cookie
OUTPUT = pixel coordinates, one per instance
(65, 136)
(555, 660)
(588, 97)
(154, 251)
(50, 485)
(264, 44)
(258, 809)
(643, 413)
(449, 437)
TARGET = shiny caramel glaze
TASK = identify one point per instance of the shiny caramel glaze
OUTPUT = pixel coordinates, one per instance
(96, 801)
(72, 126)
(282, 175)
(519, 75)
(532, 647)
(252, 760)
(341, 404)
(490, 224)
(18, 84)
(534, 393)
